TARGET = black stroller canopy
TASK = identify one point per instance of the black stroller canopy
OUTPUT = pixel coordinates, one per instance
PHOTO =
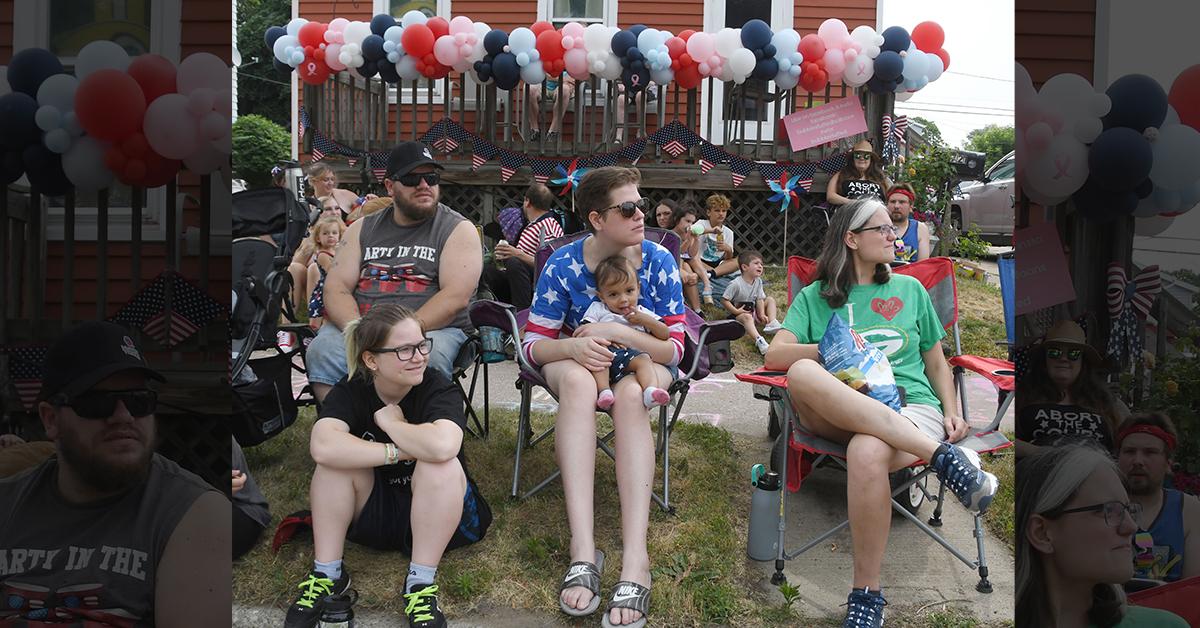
(267, 212)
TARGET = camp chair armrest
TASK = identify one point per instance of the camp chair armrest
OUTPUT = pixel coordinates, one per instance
(715, 331)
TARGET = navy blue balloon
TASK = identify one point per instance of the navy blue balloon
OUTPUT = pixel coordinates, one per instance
(282, 67)
(766, 69)
(888, 65)
(17, 126)
(635, 54)
(1138, 101)
(1144, 189)
(769, 50)
(1120, 159)
(495, 41)
(1100, 205)
(879, 85)
(635, 80)
(622, 41)
(372, 48)
(366, 70)
(30, 67)
(895, 38)
(380, 23)
(637, 29)
(636, 66)
(758, 54)
(273, 33)
(506, 71)
(387, 71)
(44, 170)
(11, 166)
(756, 34)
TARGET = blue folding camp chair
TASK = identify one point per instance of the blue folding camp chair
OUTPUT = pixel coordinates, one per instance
(693, 366)
(797, 451)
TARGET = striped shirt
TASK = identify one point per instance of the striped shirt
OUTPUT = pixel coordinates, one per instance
(532, 234)
(567, 287)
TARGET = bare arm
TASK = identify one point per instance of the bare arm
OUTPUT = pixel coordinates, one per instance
(1191, 536)
(654, 326)
(459, 267)
(661, 351)
(831, 194)
(340, 307)
(192, 585)
(785, 351)
(937, 371)
(728, 305)
(924, 245)
(332, 445)
(437, 441)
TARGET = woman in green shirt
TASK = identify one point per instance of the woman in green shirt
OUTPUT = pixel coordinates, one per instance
(894, 313)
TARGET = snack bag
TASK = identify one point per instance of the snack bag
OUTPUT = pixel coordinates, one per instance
(858, 363)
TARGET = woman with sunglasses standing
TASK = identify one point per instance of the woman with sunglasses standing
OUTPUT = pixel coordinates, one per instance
(325, 183)
(390, 472)
(613, 209)
(1063, 396)
(1075, 525)
(861, 178)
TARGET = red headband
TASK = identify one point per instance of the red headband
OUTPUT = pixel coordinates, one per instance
(912, 198)
(1152, 430)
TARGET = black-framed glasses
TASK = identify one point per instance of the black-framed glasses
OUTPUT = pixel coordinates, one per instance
(1114, 511)
(1058, 353)
(861, 154)
(629, 208)
(101, 404)
(414, 179)
(884, 230)
(406, 352)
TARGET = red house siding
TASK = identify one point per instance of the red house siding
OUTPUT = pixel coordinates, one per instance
(6, 31)
(1056, 39)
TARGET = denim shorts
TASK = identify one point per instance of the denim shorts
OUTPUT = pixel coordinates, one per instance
(325, 358)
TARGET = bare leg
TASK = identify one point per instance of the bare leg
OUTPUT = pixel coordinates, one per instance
(747, 321)
(533, 99)
(437, 506)
(772, 311)
(643, 371)
(868, 499)
(337, 496)
(299, 274)
(601, 380)
(726, 267)
(560, 108)
(691, 292)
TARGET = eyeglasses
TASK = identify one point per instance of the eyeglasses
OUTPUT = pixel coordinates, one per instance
(101, 404)
(413, 179)
(1056, 353)
(1113, 511)
(629, 208)
(884, 230)
(407, 352)
(861, 154)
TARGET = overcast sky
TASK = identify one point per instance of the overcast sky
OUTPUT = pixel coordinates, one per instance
(977, 90)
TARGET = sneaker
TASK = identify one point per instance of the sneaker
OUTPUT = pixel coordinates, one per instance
(761, 344)
(535, 135)
(708, 299)
(306, 612)
(864, 608)
(959, 470)
(772, 327)
(285, 340)
(422, 610)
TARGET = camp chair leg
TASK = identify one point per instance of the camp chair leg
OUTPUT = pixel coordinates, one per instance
(778, 578)
(487, 405)
(664, 434)
(523, 431)
(936, 520)
(983, 586)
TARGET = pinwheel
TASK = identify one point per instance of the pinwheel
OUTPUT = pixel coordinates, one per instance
(785, 191)
(570, 176)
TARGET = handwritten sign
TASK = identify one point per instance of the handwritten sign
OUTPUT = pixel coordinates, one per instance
(811, 127)
(1041, 269)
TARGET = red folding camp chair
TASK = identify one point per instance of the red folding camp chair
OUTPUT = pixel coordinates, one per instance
(1178, 597)
(797, 451)
(693, 366)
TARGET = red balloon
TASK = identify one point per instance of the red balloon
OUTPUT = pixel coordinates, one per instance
(812, 46)
(1185, 96)
(688, 76)
(312, 34)
(439, 26)
(417, 40)
(686, 59)
(154, 74)
(135, 163)
(928, 36)
(685, 34)
(541, 26)
(313, 70)
(549, 45)
(945, 57)
(676, 46)
(110, 105)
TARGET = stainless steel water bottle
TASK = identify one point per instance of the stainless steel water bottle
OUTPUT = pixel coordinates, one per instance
(339, 610)
(763, 543)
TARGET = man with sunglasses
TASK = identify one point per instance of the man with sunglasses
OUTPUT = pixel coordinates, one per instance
(418, 253)
(1167, 543)
(107, 530)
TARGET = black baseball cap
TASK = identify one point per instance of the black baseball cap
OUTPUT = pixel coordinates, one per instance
(407, 156)
(87, 354)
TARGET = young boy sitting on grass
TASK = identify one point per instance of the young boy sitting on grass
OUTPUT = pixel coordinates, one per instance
(748, 303)
(716, 241)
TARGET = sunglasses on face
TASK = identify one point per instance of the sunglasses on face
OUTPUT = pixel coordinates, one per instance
(1113, 511)
(629, 208)
(859, 154)
(1056, 353)
(884, 230)
(407, 352)
(102, 404)
(412, 180)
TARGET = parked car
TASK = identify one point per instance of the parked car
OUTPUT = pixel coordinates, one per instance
(988, 202)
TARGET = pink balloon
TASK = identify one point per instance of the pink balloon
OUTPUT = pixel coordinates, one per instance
(701, 46)
(575, 60)
(445, 51)
(331, 57)
(1038, 137)
(461, 24)
(573, 29)
(835, 63)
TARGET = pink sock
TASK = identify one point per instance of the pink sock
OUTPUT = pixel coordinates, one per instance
(653, 397)
(605, 400)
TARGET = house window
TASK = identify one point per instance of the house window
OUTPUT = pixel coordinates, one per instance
(750, 101)
(75, 23)
(559, 12)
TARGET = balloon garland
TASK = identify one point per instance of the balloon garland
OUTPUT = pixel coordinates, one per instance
(135, 120)
(417, 46)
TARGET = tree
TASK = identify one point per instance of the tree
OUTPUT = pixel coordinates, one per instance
(258, 144)
(932, 133)
(993, 140)
(261, 89)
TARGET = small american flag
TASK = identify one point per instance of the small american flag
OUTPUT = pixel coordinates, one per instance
(806, 172)
(303, 122)
(191, 309)
(483, 151)
(352, 161)
(739, 169)
(675, 138)
(377, 162)
(542, 169)
(445, 144)
(510, 162)
(25, 368)
(833, 163)
(322, 146)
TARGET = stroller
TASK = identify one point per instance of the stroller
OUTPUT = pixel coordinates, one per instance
(268, 225)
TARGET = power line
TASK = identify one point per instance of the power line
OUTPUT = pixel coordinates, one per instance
(957, 105)
(967, 113)
(262, 78)
(1166, 251)
(980, 76)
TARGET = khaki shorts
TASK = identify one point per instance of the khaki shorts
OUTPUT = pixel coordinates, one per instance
(928, 419)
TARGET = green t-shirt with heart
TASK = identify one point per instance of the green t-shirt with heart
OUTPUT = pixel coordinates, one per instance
(898, 317)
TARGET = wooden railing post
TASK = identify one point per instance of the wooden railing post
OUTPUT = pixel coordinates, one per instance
(68, 288)
(102, 253)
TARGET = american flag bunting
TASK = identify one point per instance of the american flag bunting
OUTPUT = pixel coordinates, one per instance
(510, 162)
(191, 309)
(739, 169)
(543, 168)
(25, 371)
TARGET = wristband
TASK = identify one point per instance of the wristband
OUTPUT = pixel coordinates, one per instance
(393, 454)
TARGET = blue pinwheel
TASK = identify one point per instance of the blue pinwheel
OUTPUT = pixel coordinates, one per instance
(570, 176)
(785, 191)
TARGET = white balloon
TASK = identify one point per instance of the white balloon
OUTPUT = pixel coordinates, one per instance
(1071, 95)
(1058, 172)
(201, 70)
(58, 91)
(1176, 157)
(859, 71)
(934, 67)
(728, 41)
(742, 63)
(904, 96)
(868, 40)
(293, 27)
(71, 124)
(83, 164)
(413, 17)
(596, 38)
(206, 160)
(356, 32)
(169, 128)
(1151, 225)
(1088, 129)
(283, 46)
(100, 55)
(1172, 115)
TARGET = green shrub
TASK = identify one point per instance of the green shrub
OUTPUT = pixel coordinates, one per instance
(258, 144)
(970, 245)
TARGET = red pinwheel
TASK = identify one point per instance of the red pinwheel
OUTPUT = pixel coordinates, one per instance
(570, 176)
(785, 191)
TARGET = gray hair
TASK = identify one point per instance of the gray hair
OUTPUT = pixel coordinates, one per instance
(835, 263)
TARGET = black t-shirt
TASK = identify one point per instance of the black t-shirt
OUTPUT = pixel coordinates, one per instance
(855, 189)
(1046, 423)
(355, 402)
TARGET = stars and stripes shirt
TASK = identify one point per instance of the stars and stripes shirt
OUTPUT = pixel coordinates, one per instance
(567, 288)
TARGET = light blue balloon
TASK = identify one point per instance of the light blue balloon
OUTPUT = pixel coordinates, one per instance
(293, 27)
(522, 59)
(389, 46)
(521, 40)
(407, 68)
(794, 71)
(534, 55)
(787, 80)
(1167, 200)
(393, 57)
(297, 58)
(533, 73)
(71, 124)
(48, 118)
(57, 140)
(663, 76)
(413, 17)
(393, 34)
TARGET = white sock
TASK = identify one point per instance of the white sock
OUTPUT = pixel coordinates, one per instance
(418, 575)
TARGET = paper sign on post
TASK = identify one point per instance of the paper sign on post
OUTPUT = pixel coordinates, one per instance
(1042, 277)
(812, 127)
